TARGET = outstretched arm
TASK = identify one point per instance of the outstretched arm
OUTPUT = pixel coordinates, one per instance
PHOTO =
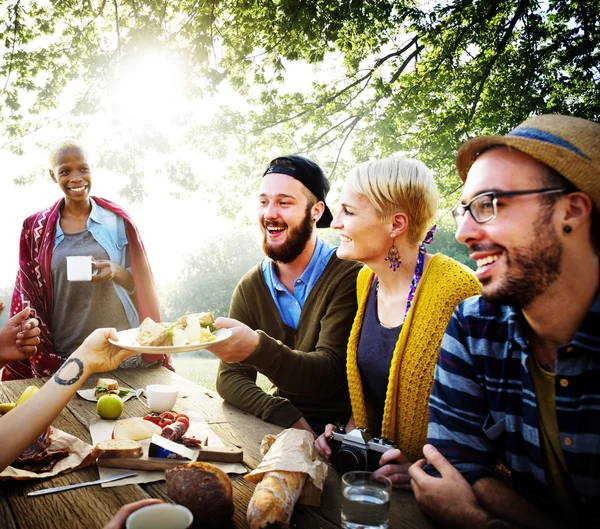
(22, 425)
(318, 373)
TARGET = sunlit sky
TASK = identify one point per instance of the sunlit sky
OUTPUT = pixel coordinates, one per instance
(146, 93)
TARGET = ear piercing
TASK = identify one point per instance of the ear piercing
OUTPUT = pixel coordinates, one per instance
(567, 229)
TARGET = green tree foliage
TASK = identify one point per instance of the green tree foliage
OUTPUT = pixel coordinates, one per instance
(417, 77)
(210, 275)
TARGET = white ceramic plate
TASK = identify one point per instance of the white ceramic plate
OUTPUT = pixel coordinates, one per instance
(88, 394)
(127, 341)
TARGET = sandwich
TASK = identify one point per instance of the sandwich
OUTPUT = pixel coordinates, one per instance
(153, 334)
(189, 329)
(106, 386)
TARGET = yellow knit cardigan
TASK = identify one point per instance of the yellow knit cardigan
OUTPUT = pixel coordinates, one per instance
(443, 285)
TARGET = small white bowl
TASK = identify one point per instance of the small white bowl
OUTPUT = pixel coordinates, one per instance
(160, 516)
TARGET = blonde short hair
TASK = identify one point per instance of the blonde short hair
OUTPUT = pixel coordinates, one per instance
(399, 184)
(62, 145)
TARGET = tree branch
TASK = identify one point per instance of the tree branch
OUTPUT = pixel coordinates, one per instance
(350, 129)
(12, 51)
(405, 63)
(117, 23)
(523, 4)
(330, 129)
(333, 97)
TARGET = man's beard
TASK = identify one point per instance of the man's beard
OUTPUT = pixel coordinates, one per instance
(529, 270)
(297, 238)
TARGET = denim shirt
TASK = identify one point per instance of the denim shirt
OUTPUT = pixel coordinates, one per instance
(290, 304)
(108, 229)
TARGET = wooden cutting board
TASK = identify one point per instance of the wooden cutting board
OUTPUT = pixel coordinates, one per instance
(224, 454)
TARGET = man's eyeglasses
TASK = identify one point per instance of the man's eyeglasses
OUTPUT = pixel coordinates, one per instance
(483, 207)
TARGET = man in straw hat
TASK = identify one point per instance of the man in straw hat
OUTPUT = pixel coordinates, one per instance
(291, 315)
(517, 380)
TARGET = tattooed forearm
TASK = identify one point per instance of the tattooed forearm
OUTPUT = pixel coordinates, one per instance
(69, 373)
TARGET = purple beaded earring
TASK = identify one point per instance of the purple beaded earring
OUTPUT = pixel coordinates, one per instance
(394, 258)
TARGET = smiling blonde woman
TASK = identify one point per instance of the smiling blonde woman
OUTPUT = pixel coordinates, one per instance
(405, 299)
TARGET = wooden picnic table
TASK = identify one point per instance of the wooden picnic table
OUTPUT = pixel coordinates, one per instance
(92, 507)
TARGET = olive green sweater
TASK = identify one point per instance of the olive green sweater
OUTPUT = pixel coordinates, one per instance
(307, 366)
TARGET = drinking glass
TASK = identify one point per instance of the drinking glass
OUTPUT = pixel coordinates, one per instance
(365, 500)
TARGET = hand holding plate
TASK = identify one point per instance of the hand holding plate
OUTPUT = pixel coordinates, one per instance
(240, 346)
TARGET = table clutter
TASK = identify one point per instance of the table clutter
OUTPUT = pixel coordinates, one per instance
(227, 429)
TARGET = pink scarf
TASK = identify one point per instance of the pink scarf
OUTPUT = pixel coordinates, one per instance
(34, 283)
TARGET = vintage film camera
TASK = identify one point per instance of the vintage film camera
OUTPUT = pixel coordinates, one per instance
(357, 450)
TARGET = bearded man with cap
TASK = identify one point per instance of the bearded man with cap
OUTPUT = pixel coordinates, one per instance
(517, 380)
(291, 315)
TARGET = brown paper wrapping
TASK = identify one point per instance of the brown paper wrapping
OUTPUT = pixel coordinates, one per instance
(80, 456)
(293, 450)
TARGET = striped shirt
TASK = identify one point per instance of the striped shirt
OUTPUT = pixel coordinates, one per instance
(483, 406)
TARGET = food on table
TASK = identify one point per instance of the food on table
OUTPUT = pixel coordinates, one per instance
(119, 448)
(188, 330)
(29, 392)
(174, 427)
(162, 419)
(174, 431)
(204, 489)
(274, 498)
(135, 429)
(108, 386)
(183, 418)
(37, 458)
(191, 442)
(290, 469)
(6, 407)
(109, 406)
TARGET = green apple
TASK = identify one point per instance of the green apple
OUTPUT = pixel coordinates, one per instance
(109, 406)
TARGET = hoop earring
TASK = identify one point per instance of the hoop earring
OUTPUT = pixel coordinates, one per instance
(567, 229)
(394, 258)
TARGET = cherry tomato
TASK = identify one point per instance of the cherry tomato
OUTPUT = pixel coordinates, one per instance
(168, 415)
(183, 420)
(164, 422)
(152, 418)
(181, 415)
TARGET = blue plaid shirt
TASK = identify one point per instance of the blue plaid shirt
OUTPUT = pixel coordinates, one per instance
(483, 407)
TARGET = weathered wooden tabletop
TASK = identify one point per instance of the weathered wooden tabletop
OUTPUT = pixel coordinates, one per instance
(92, 507)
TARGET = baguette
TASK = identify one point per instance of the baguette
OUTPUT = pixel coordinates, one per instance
(274, 498)
(119, 448)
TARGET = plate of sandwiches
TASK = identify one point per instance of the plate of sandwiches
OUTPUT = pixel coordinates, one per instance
(106, 386)
(191, 332)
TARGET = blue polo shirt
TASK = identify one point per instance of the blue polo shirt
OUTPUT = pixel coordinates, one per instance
(289, 303)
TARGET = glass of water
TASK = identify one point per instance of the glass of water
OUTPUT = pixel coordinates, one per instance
(365, 500)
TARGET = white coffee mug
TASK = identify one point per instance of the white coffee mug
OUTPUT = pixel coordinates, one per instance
(159, 397)
(160, 516)
(79, 268)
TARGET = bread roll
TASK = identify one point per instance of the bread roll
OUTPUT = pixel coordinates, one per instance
(204, 489)
(273, 501)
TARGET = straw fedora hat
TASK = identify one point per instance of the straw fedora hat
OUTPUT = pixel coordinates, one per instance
(569, 145)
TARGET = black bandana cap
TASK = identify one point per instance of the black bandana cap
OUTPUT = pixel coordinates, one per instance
(311, 176)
